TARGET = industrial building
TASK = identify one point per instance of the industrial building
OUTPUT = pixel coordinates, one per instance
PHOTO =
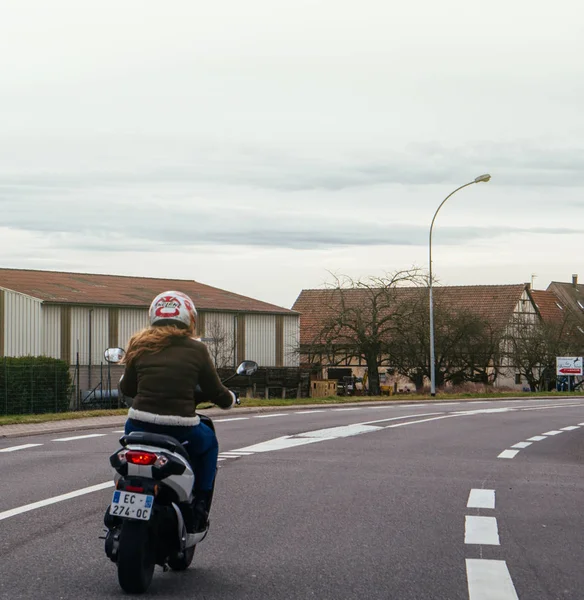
(76, 316)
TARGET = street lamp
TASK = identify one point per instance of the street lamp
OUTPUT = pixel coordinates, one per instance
(479, 179)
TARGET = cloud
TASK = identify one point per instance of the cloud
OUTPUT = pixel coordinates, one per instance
(178, 161)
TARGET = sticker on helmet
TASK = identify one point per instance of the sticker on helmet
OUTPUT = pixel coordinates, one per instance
(168, 307)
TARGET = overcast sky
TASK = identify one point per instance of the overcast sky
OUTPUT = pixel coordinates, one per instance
(256, 145)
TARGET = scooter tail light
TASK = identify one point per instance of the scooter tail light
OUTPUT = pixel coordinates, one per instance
(140, 457)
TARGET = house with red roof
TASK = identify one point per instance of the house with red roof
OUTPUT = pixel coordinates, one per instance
(505, 307)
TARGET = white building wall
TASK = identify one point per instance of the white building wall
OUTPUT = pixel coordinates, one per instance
(23, 324)
(260, 339)
(524, 315)
(51, 331)
(131, 320)
(291, 340)
(80, 334)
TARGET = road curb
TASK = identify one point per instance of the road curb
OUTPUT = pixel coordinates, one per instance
(48, 428)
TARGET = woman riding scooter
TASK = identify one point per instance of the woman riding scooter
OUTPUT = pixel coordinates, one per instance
(165, 368)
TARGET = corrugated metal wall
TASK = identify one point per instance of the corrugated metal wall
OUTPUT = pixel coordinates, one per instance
(291, 340)
(221, 327)
(131, 320)
(80, 334)
(22, 325)
(51, 333)
(260, 339)
(31, 328)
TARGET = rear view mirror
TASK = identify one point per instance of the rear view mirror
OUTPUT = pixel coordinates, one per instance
(247, 367)
(114, 355)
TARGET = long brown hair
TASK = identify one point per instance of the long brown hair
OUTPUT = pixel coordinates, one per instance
(154, 339)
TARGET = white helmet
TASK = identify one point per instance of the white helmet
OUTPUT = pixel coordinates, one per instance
(173, 308)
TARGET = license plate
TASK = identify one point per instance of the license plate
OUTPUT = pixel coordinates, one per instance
(131, 506)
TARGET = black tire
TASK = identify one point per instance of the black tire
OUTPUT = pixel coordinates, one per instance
(181, 562)
(135, 557)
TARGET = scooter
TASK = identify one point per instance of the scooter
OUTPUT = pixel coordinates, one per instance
(153, 480)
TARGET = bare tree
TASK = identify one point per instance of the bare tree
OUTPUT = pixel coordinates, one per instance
(532, 350)
(466, 345)
(220, 344)
(360, 318)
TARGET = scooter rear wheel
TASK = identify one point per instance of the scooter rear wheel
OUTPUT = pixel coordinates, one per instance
(135, 557)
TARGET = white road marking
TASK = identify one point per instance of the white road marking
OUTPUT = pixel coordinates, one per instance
(508, 454)
(234, 453)
(347, 409)
(399, 418)
(481, 402)
(481, 499)
(522, 445)
(446, 403)
(339, 432)
(282, 443)
(484, 411)
(537, 438)
(571, 428)
(481, 531)
(549, 406)
(28, 507)
(119, 431)
(553, 432)
(230, 419)
(307, 412)
(23, 447)
(489, 580)
(221, 459)
(421, 421)
(271, 416)
(79, 437)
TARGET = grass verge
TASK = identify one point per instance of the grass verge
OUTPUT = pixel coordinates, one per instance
(257, 402)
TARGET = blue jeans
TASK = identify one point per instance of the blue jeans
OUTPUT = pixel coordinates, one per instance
(200, 443)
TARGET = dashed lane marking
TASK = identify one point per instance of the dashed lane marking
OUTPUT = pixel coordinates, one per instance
(23, 447)
(481, 499)
(553, 432)
(308, 412)
(481, 531)
(508, 454)
(571, 428)
(80, 437)
(28, 507)
(272, 416)
(231, 419)
(537, 438)
(522, 445)
(489, 580)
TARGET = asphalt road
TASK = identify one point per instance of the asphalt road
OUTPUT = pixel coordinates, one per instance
(374, 503)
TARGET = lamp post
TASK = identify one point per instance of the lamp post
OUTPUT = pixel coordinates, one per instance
(479, 179)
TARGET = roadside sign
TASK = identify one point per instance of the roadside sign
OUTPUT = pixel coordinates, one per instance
(569, 365)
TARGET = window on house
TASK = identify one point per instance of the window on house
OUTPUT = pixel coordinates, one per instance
(518, 379)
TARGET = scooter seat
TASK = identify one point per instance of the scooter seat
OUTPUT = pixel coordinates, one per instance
(154, 439)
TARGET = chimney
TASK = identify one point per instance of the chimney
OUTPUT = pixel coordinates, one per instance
(575, 280)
